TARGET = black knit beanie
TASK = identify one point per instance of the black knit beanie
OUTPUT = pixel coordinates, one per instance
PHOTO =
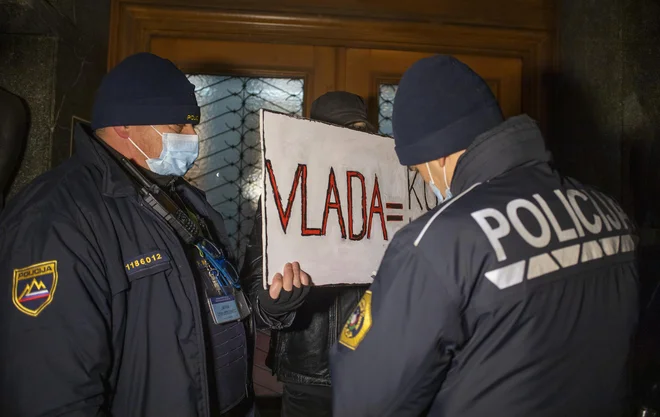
(440, 107)
(145, 89)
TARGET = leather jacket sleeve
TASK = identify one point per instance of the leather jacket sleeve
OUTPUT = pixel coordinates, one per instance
(252, 279)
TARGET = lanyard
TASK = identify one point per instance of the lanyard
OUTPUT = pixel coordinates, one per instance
(220, 268)
(226, 301)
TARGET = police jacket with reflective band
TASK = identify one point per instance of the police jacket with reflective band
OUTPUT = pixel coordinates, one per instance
(517, 297)
(101, 314)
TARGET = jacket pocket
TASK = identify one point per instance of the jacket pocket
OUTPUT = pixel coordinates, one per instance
(230, 363)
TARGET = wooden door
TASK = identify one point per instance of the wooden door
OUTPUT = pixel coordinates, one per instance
(368, 71)
(363, 47)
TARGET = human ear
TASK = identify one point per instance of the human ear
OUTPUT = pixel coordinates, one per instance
(121, 131)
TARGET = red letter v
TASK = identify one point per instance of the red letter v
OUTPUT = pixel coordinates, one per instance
(285, 214)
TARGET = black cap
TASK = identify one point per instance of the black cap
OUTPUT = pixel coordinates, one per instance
(339, 108)
(145, 89)
(440, 107)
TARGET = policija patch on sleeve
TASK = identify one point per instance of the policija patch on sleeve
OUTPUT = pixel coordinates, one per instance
(358, 323)
(34, 287)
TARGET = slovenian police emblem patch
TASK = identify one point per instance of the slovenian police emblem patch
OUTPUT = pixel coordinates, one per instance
(358, 323)
(34, 287)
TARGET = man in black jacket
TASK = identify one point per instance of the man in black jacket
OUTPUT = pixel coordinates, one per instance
(516, 296)
(118, 295)
(304, 332)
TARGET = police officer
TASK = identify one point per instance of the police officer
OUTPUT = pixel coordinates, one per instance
(306, 321)
(118, 292)
(516, 296)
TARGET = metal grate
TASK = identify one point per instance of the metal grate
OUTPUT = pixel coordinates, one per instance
(229, 165)
(386, 93)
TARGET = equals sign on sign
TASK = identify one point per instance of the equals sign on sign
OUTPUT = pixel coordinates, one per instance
(394, 206)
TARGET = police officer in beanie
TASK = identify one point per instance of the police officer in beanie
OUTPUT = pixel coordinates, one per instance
(118, 293)
(516, 296)
(306, 321)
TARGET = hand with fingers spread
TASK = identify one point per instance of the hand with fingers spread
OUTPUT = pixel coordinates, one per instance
(287, 292)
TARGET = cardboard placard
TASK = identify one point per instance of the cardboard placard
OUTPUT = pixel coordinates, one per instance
(333, 199)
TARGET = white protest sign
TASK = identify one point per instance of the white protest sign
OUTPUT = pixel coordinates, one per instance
(333, 199)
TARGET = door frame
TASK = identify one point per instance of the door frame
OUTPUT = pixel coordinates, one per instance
(369, 68)
(314, 64)
(133, 26)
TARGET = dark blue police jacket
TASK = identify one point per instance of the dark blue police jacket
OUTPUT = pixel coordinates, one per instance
(99, 310)
(517, 297)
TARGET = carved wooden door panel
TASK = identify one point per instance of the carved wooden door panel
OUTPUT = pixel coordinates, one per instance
(375, 74)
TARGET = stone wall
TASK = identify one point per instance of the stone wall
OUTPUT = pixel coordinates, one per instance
(606, 102)
(54, 53)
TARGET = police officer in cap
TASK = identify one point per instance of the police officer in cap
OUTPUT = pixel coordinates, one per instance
(119, 294)
(516, 296)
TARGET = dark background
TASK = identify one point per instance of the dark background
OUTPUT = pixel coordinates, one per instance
(53, 54)
(605, 105)
(603, 99)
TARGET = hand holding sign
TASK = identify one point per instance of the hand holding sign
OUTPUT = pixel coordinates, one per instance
(293, 276)
(295, 282)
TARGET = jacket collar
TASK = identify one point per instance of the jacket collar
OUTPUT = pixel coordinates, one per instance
(516, 142)
(115, 181)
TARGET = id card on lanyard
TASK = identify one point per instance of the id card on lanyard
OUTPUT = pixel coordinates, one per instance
(225, 298)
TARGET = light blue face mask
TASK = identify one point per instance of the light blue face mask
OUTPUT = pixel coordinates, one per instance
(178, 155)
(435, 189)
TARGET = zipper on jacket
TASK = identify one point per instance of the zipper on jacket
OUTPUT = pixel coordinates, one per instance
(335, 320)
(250, 325)
(197, 314)
(251, 336)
